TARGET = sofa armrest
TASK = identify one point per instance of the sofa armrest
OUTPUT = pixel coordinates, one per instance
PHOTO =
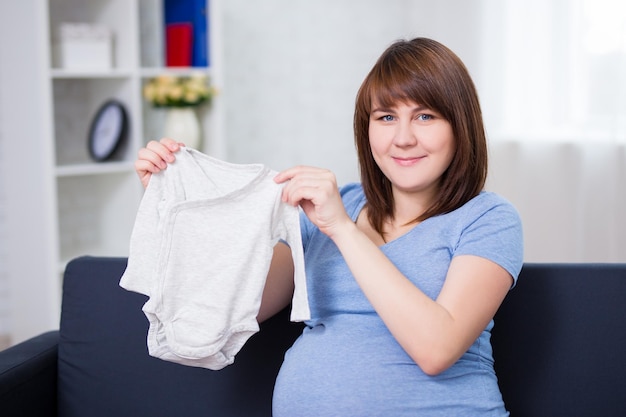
(28, 377)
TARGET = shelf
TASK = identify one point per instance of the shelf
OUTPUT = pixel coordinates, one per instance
(76, 102)
(150, 72)
(56, 73)
(74, 205)
(94, 169)
(96, 213)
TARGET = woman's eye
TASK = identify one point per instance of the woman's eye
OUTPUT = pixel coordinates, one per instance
(387, 118)
(425, 117)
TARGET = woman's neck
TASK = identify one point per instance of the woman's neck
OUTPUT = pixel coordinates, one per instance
(409, 206)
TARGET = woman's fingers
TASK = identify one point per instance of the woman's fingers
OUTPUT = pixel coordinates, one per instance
(155, 157)
(306, 183)
(165, 148)
(315, 191)
(150, 160)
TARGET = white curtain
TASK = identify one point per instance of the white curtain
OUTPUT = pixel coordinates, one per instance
(571, 196)
(553, 86)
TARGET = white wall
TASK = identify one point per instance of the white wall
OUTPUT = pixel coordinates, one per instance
(292, 69)
(4, 285)
(291, 72)
(24, 166)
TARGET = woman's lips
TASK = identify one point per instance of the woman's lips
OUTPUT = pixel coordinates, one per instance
(407, 161)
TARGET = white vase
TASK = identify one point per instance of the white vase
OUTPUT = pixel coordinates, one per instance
(181, 124)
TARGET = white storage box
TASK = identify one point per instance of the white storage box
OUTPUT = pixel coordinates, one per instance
(84, 46)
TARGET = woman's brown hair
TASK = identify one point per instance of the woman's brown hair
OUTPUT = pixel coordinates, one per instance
(426, 72)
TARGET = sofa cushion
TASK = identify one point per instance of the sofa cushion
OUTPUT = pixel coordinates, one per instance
(559, 341)
(105, 370)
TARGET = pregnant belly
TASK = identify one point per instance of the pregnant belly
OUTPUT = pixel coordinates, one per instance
(343, 368)
(352, 366)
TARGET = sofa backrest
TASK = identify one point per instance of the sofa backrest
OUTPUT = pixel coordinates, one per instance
(105, 370)
(559, 341)
(559, 345)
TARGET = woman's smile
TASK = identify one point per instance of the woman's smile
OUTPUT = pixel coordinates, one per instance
(406, 161)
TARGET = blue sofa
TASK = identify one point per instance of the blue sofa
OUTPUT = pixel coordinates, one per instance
(559, 344)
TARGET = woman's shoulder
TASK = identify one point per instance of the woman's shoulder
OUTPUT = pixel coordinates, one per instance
(490, 226)
(351, 189)
(352, 195)
(488, 201)
(486, 211)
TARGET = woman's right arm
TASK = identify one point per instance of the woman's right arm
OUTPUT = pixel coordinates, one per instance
(155, 157)
(279, 285)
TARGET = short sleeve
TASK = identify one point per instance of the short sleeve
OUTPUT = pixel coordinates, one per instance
(492, 230)
(306, 229)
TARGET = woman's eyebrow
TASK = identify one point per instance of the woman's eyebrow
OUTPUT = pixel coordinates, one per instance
(417, 108)
(383, 108)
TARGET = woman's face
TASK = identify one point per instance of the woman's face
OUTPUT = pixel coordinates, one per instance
(412, 145)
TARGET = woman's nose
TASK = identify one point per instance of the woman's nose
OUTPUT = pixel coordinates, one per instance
(404, 135)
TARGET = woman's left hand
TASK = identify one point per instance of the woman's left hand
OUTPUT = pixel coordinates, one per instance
(316, 191)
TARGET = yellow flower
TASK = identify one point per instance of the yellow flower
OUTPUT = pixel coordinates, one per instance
(175, 93)
(192, 96)
(165, 80)
(148, 92)
(170, 91)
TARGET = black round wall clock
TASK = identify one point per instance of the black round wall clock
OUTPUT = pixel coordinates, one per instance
(108, 130)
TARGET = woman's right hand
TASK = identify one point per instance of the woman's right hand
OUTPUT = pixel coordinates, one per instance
(155, 157)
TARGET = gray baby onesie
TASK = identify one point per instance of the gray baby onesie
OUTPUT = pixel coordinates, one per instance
(200, 250)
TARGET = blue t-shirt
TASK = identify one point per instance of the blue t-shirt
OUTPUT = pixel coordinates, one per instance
(347, 363)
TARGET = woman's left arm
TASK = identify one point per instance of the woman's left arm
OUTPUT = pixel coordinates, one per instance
(435, 333)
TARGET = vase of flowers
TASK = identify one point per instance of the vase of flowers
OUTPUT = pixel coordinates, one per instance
(181, 124)
(180, 95)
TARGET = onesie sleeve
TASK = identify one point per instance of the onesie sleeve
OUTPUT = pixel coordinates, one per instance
(492, 229)
(288, 228)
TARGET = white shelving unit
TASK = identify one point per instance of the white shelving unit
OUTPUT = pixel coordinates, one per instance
(87, 207)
